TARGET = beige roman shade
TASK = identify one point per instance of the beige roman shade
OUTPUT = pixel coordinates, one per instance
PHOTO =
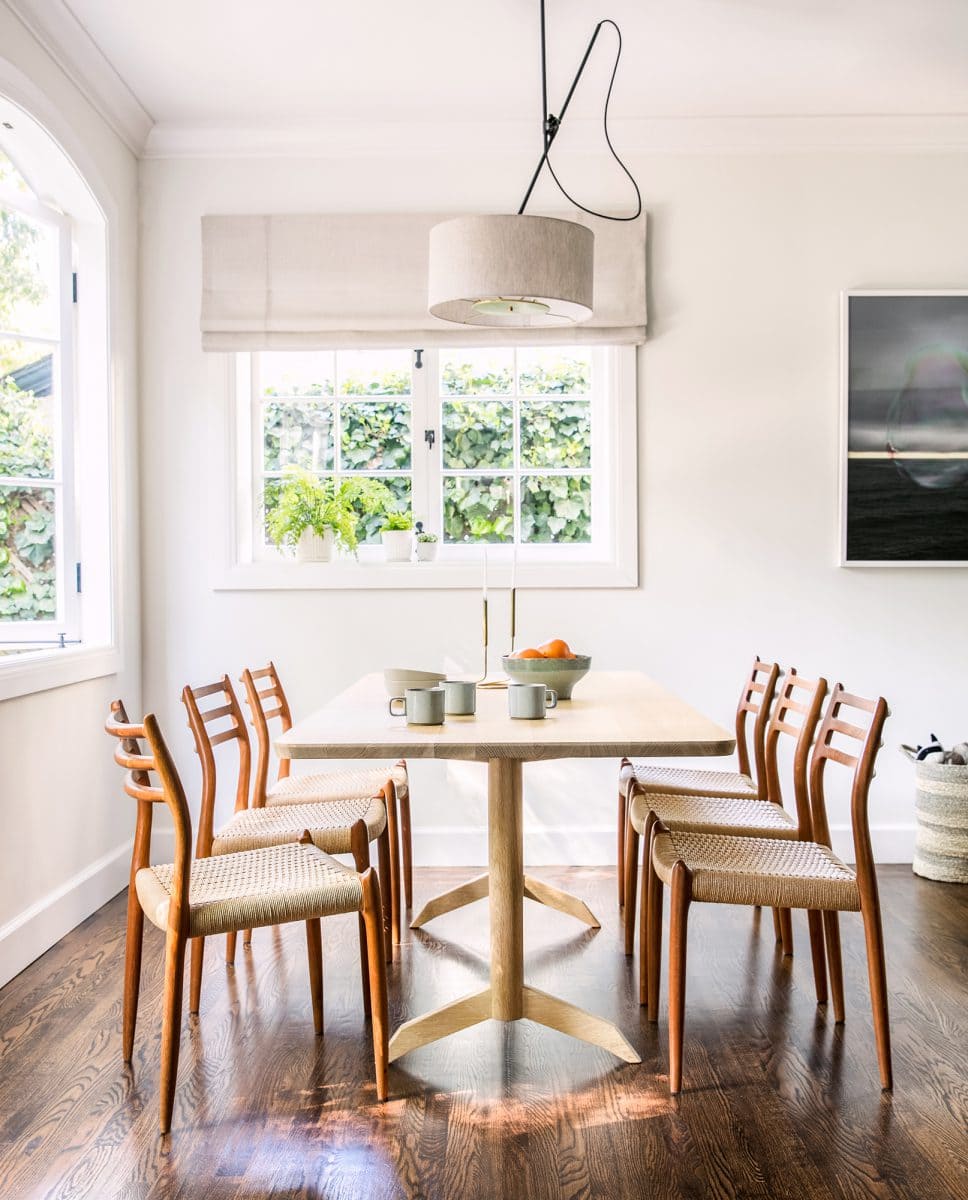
(316, 281)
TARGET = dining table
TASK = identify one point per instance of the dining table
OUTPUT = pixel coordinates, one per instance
(613, 714)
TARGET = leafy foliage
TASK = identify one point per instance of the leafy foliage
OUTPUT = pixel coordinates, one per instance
(478, 508)
(396, 522)
(556, 433)
(478, 374)
(556, 508)
(477, 433)
(375, 436)
(303, 501)
(297, 433)
(541, 372)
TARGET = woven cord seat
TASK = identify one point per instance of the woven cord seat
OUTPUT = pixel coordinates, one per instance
(270, 886)
(330, 825)
(749, 870)
(686, 782)
(328, 786)
(713, 814)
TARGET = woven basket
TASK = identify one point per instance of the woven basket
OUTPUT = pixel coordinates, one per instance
(941, 806)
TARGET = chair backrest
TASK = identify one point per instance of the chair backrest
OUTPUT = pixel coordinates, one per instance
(796, 712)
(267, 701)
(216, 702)
(755, 699)
(137, 783)
(864, 738)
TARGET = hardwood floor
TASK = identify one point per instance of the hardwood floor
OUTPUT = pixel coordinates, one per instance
(778, 1102)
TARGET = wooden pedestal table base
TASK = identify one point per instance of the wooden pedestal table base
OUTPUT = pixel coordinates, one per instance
(507, 998)
(478, 888)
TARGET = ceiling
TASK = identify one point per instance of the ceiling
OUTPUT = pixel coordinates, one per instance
(249, 62)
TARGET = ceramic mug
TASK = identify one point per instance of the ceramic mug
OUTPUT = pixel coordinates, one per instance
(530, 701)
(421, 706)
(460, 698)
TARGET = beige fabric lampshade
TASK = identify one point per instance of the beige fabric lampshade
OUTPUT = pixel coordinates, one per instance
(544, 261)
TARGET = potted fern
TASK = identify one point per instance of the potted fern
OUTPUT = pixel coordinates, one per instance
(316, 516)
(397, 536)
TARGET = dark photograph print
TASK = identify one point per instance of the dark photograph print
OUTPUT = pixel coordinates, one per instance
(906, 494)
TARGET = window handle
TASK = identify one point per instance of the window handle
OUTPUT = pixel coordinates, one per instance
(430, 436)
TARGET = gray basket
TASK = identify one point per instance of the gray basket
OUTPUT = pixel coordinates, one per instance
(941, 807)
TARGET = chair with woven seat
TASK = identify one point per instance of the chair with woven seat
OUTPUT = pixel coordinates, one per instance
(716, 868)
(798, 699)
(755, 700)
(267, 701)
(195, 899)
(335, 826)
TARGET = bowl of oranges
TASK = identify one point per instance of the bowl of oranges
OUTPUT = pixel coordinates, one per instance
(552, 664)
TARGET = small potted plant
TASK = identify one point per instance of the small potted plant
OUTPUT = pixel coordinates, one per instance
(315, 515)
(426, 546)
(397, 536)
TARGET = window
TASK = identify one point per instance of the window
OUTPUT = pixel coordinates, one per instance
(38, 581)
(529, 451)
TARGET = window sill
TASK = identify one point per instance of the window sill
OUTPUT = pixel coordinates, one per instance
(410, 576)
(42, 670)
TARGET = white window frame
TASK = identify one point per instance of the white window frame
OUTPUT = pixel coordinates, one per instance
(610, 560)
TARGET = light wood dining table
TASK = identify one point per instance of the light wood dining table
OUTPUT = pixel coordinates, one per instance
(613, 713)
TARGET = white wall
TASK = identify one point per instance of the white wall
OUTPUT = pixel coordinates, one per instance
(66, 825)
(738, 445)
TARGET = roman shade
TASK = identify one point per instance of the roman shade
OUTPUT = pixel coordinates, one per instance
(317, 281)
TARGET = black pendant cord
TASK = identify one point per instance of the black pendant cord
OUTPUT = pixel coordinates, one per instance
(552, 124)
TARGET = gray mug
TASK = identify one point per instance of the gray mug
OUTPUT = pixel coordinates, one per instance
(460, 698)
(421, 706)
(530, 700)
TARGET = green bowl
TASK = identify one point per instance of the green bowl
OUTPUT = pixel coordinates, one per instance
(560, 674)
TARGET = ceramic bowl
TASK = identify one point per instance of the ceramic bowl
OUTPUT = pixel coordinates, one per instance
(398, 679)
(560, 674)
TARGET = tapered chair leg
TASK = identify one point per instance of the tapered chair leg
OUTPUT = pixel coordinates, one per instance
(877, 975)
(230, 940)
(815, 924)
(655, 935)
(195, 981)
(646, 877)
(831, 927)
(247, 938)
(631, 883)
(314, 948)
(620, 861)
(359, 840)
(786, 931)
(175, 944)
(386, 888)
(777, 931)
(678, 921)
(406, 840)
(373, 922)
(390, 800)
(132, 973)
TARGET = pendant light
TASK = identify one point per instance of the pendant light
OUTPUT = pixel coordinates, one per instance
(517, 270)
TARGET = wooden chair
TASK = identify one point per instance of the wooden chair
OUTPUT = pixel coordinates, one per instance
(186, 899)
(334, 827)
(755, 700)
(717, 869)
(798, 700)
(267, 701)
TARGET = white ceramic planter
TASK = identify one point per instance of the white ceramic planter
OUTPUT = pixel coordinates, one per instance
(426, 551)
(397, 544)
(313, 548)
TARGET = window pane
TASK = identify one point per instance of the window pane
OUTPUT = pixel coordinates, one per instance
(28, 275)
(290, 373)
(26, 409)
(400, 486)
(556, 508)
(27, 571)
(478, 509)
(375, 372)
(375, 436)
(297, 433)
(554, 369)
(477, 372)
(556, 433)
(477, 433)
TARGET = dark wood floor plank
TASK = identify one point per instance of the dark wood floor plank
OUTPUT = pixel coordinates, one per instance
(778, 1101)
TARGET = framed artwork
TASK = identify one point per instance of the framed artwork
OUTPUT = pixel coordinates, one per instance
(904, 488)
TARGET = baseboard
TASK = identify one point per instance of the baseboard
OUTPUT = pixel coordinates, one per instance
(47, 920)
(594, 846)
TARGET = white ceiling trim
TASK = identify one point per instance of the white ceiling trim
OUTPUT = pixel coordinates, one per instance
(67, 41)
(681, 135)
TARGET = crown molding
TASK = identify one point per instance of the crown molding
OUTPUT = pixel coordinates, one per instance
(661, 135)
(55, 26)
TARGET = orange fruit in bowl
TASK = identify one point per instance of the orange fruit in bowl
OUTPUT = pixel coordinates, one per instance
(556, 648)
(529, 653)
